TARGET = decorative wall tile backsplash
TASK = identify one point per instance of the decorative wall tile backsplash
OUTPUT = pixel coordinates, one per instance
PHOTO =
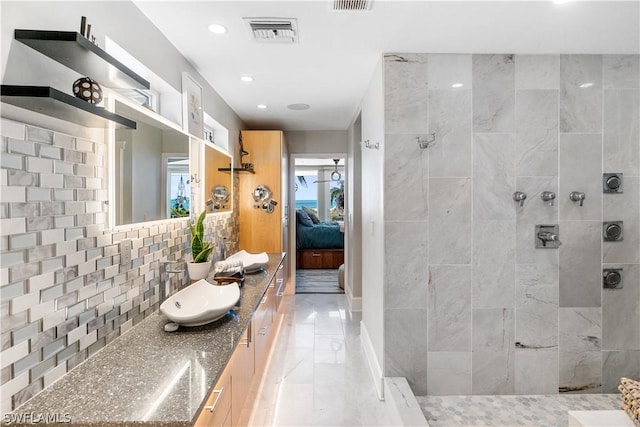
(506, 123)
(64, 293)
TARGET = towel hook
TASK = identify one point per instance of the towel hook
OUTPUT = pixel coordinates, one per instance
(425, 143)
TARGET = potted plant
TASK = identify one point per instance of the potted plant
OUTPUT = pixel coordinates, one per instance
(200, 250)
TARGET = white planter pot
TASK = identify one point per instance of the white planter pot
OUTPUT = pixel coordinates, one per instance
(198, 270)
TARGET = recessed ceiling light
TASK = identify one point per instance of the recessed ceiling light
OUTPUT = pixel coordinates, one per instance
(298, 107)
(586, 85)
(262, 106)
(246, 78)
(457, 85)
(217, 29)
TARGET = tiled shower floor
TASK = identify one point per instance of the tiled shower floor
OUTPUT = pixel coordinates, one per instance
(508, 411)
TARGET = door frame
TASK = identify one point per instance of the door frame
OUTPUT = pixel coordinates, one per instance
(292, 211)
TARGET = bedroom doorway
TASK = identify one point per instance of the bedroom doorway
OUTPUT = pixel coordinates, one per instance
(319, 198)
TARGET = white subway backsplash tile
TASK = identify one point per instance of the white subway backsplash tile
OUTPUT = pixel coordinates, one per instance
(13, 195)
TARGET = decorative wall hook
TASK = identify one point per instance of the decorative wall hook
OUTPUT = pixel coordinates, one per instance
(194, 179)
(425, 143)
(367, 144)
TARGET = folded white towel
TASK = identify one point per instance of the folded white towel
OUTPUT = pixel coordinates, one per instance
(230, 265)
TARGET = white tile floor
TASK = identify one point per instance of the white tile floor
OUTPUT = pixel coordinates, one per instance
(318, 375)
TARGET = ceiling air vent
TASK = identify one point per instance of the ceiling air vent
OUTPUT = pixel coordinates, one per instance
(273, 30)
(351, 4)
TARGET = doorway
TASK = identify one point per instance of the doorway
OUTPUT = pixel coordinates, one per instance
(319, 231)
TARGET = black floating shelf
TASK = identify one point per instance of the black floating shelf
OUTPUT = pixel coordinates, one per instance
(78, 53)
(52, 102)
(236, 170)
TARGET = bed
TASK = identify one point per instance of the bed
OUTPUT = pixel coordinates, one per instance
(318, 244)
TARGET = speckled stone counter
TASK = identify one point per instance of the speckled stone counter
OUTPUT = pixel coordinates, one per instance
(149, 376)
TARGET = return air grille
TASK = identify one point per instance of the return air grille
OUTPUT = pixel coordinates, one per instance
(273, 30)
(351, 4)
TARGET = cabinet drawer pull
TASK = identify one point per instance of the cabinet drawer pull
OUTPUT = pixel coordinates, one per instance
(215, 403)
(263, 330)
(315, 254)
(264, 299)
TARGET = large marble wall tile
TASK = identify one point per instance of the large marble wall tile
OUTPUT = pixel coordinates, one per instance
(616, 364)
(581, 170)
(580, 264)
(404, 327)
(580, 93)
(536, 371)
(580, 345)
(448, 69)
(621, 71)
(450, 308)
(493, 176)
(406, 265)
(449, 221)
(624, 207)
(450, 120)
(405, 93)
(535, 211)
(621, 311)
(536, 132)
(621, 139)
(493, 351)
(537, 71)
(449, 373)
(537, 306)
(406, 179)
(493, 93)
(493, 259)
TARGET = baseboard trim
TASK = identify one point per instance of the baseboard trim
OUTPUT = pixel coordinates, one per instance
(374, 365)
(355, 303)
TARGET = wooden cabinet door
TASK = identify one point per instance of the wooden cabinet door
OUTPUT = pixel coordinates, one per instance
(218, 404)
(242, 371)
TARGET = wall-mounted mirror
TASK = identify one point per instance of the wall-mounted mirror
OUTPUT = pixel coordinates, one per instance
(150, 167)
(218, 188)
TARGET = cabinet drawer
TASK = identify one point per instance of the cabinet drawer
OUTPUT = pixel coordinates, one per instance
(218, 406)
(320, 258)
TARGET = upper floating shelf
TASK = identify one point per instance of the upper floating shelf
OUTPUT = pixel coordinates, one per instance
(78, 53)
(236, 170)
(52, 102)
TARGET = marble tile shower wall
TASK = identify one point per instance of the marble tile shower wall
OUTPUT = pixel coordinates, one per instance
(471, 307)
(64, 293)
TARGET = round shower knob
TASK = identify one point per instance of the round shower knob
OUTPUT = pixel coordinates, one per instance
(613, 182)
(612, 279)
(613, 231)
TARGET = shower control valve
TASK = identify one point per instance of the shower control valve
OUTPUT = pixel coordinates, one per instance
(577, 196)
(519, 196)
(548, 196)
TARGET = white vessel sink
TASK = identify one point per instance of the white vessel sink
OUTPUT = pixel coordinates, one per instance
(200, 303)
(251, 262)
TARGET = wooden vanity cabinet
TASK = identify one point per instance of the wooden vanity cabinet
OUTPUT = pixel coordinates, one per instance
(244, 370)
(217, 410)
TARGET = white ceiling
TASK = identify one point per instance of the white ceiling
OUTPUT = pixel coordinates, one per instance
(332, 64)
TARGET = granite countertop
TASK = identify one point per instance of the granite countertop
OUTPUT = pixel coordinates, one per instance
(149, 376)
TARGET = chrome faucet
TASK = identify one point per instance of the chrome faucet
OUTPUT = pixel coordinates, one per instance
(547, 236)
(577, 196)
(165, 270)
(519, 196)
(548, 196)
